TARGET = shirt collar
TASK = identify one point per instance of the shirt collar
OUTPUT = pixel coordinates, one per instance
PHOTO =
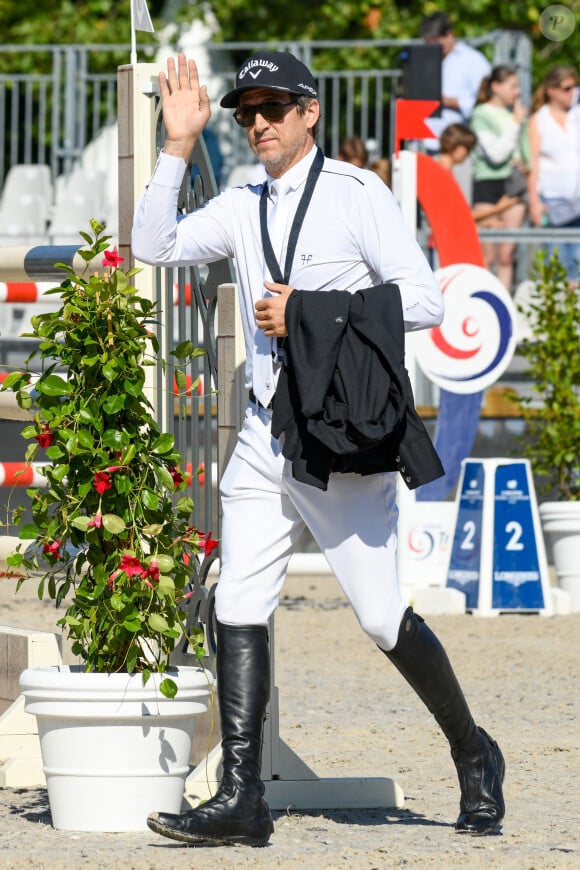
(294, 178)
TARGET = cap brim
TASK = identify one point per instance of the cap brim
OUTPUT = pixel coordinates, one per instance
(230, 101)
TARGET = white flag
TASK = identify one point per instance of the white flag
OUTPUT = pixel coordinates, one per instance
(141, 17)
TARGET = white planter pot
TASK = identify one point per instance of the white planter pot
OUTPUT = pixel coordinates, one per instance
(561, 521)
(113, 750)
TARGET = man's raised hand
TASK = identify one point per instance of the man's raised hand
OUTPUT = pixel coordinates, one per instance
(186, 108)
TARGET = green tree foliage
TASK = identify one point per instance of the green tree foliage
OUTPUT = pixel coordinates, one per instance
(67, 22)
(39, 22)
(244, 20)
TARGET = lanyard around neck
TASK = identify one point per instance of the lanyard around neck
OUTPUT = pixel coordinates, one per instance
(269, 254)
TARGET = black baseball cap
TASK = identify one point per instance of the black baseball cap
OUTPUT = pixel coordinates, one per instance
(279, 70)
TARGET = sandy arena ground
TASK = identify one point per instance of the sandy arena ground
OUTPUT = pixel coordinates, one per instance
(347, 712)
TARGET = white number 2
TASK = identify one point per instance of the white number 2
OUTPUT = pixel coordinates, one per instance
(515, 530)
(469, 528)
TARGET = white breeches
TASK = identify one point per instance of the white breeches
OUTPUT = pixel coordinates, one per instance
(354, 522)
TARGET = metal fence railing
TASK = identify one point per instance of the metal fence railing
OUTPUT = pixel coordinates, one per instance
(50, 115)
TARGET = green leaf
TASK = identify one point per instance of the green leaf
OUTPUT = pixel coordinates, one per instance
(152, 529)
(31, 451)
(86, 415)
(81, 523)
(129, 454)
(114, 524)
(185, 505)
(113, 439)
(133, 387)
(163, 444)
(117, 602)
(132, 657)
(164, 477)
(54, 452)
(110, 370)
(157, 623)
(166, 586)
(85, 439)
(59, 472)
(164, 562)
(183, 350)
(28, 532)
(53, 385)
(114, 404)
(168, 688)
(150, 500)
(123, 484)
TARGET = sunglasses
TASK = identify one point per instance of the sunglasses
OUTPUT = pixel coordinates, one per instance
(272, 111)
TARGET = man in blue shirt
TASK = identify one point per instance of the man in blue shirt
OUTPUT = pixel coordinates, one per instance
(462, 70)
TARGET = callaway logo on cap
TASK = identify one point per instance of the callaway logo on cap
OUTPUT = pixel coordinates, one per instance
(279, 70)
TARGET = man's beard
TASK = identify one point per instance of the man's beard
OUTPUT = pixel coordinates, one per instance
(279, 163)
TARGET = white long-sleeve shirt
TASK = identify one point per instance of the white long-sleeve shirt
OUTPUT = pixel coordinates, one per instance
(353, 236)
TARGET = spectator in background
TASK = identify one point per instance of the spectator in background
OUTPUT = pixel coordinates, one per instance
(462, 70)
(457, 142)
(497, 165)
(382, 167)
(554, 178)
(353, 150)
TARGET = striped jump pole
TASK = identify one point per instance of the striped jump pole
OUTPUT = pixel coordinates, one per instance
(27, 293)
(22, 474)
(25, 265)
(30, 474)
(191, 385)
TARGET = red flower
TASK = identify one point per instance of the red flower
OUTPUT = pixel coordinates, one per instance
(52, 549)
(44, 437)
(96, 522)
(113, 468)
(176, 475)
(152, 572)
(131, 566)
(112, 258)
(207, 543)
(201, 473)
(102, 481)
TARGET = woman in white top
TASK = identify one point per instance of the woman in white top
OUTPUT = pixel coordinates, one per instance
(554, 179)
(496, 121)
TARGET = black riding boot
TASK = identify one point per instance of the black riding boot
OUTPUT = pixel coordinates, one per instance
(238, 812)
(421, 659)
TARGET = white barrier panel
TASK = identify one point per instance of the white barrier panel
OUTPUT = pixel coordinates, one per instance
(424, 542)
(498, 558)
